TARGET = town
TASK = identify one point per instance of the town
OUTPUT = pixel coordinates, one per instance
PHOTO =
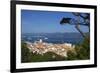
(40, 47)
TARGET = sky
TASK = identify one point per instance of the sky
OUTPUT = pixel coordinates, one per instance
(33, 21)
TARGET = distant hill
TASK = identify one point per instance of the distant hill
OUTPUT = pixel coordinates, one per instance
(57, 34)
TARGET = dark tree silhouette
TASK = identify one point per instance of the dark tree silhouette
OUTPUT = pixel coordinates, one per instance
(85, 20)
(65, 20)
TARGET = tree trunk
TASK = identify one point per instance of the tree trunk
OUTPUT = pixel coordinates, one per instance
(77, 27)
(84, 36)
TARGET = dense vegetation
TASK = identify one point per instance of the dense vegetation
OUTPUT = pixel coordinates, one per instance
(82, 52)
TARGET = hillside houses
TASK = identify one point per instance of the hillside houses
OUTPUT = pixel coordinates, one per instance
(41, 47)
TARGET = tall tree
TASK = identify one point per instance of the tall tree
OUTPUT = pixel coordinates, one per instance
(77, 22)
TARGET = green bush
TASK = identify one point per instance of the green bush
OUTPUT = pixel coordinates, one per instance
(25, 53)
(82, 51)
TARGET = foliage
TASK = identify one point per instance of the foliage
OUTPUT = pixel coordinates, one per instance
(71, 56)
(45, 57)
(82, 51)
(25, 54)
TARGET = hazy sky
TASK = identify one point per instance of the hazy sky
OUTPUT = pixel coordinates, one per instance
(46, 22)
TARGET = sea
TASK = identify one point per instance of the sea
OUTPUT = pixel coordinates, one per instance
(73, 38)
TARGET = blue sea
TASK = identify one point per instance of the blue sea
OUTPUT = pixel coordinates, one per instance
(73, 38)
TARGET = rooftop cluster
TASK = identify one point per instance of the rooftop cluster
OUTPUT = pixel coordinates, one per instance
(40, 47)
